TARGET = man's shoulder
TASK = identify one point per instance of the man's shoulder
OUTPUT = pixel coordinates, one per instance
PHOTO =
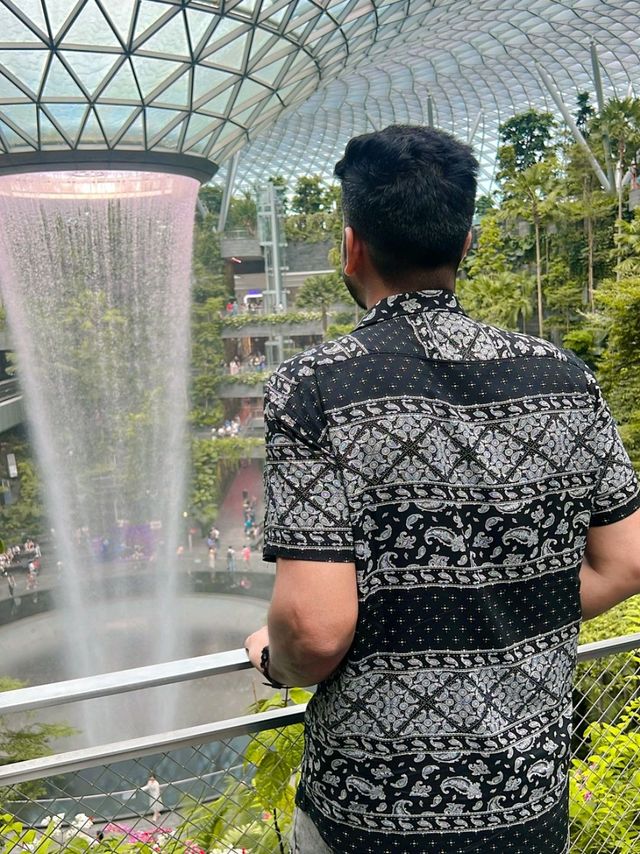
(300, 370)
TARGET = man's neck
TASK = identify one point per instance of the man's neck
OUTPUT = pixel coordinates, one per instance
(442, 278)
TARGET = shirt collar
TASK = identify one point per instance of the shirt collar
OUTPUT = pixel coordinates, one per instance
(413, 302)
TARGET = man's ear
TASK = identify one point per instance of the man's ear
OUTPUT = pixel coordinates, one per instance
(467, 244)
(352, 248)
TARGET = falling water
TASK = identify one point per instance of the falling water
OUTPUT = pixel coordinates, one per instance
(94, 270)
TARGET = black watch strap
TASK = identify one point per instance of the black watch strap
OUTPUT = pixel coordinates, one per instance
(264, 667)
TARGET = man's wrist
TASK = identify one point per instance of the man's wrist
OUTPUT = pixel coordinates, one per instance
(265, 660)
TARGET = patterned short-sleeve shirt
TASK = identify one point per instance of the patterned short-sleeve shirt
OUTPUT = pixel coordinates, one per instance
(459, 466)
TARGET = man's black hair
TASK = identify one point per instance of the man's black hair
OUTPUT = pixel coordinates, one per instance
(409, 193)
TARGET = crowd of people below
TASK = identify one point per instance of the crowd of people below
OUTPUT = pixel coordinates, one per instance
(255, 362)
(24, 558)
(252, 534)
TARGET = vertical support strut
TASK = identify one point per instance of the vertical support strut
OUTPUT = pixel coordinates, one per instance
(575, 130)
(430, 111)
(228, 190)
(597, 82)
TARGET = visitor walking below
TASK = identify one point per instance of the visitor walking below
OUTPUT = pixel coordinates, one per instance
(445, 502)
(152, 788)
(231, 559)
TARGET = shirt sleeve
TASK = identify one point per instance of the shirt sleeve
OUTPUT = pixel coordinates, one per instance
(617, 494)
(307, 515)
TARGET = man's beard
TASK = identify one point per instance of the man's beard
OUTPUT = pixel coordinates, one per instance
(353, 290)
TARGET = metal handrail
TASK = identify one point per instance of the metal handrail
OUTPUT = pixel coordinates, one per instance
(122, 681)
(161, 674)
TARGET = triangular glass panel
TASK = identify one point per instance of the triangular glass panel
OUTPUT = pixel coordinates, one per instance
(244, 118)
(247, 7)
(9, 90)
(217, 105)
(261, 42)
(26, 66)
(198, 22)
(113, 117)
(171, 140)
(207, 79)
(91, 132)
(250, 92)
(275, 17)
(269, 73)
(227, 134)
(69, 117)
(176, 94)
(23, 116)
(230, 55)
(152, 72)
(171, 39)
(91, 67)
(200, 146)
(58, 13)
(159, 120)
(13, 31)
(59, 83)
(121, 15)
(123, 86)
(148, 13)
(90, 28)
(49, 134)
(32, 9)
(134, 137)
(197, 125)
(13, 140)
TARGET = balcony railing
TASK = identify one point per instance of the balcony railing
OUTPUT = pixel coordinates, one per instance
(228, 786)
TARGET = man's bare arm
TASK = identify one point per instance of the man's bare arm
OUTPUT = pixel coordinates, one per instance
(312, 621)
(610, 572)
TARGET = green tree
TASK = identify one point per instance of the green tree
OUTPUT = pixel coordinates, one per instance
(584, 111)
(207, 359)
(526, 140)
(24, 740)
(26, 516)
(321, 292)
(310, 195)
(531, 195)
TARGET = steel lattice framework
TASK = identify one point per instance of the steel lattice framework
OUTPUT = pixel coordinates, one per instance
(287, 82)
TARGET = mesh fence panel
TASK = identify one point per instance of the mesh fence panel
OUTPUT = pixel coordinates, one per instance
(237, 795)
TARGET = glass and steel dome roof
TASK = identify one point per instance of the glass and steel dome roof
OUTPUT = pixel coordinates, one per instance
(288, 81)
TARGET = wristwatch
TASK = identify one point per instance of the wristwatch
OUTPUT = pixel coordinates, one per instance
(264, 667)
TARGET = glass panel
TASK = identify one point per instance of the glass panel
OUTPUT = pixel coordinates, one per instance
(121, 14)
(24, 117)
(10, 90)
(27, 66)
(176, 94)
(91, 68)
(172, 139)
(69, 117)
(32, 9)
(148, 13)
(91, 132)
(59, 83)
(58, 12)
(123, 86)
(11, 137)
(207, 79)
(159, 120)
(198, 23)
(90, 28)
(197, 124)
(218, 104)
(230, 55)
(151, 72)
(12, 29)
(113, 117)
(134, 137)
(270, 72)
(49, 134)
(171, 39)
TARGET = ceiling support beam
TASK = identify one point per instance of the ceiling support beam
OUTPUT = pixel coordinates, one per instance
(575, 130)
(430, 111)
(475, 126)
